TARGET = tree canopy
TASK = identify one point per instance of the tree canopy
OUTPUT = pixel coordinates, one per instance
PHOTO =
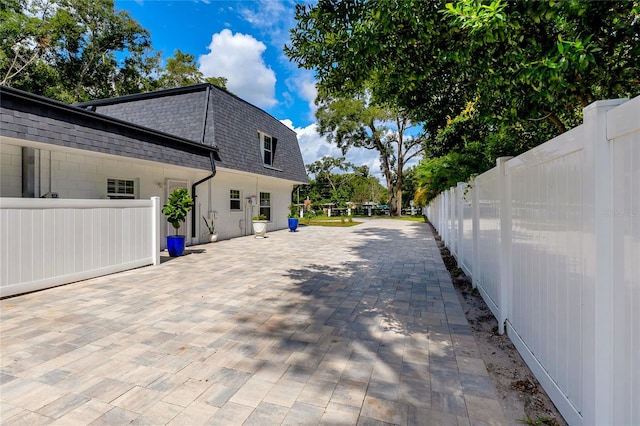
(351, 183)
(79, 50)
(522, 70)
(182, 70)
(356, 122)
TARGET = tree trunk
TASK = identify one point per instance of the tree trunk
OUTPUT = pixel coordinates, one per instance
(395, 208)
(392, 198)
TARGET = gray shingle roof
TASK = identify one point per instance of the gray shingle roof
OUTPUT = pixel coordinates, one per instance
(39, 119)
(232, 125)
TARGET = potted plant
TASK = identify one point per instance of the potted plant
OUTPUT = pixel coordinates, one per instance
(292, 218)
(211, 226)
(260, 225)
(176, 209)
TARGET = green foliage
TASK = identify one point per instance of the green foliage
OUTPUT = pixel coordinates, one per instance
(211, 226)
(260, 217)
(80, 50)
(220, 82)
(540, 421)
(409, 186)
(356, 122)
(181, 70)
(326, 187)
(441, 173)
(294, 211)
(177, 207)
(527, 67)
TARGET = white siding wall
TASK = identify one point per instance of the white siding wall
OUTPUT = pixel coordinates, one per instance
(10, 170)
(556, 254)
(77, 174)
(56, 241)
(230, 223)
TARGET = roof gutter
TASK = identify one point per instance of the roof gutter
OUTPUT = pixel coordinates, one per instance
(213, 164)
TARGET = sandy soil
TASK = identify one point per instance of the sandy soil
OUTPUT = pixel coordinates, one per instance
(523, 399)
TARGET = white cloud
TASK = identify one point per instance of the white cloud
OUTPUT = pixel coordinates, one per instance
(238, 58)
(303, 85)
(314, 147)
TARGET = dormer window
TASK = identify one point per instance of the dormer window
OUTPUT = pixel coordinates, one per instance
(267, 150)
(268, 147)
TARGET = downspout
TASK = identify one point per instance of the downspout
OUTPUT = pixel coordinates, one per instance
(213, 165)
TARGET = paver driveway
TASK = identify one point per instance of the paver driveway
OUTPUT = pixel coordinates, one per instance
(347, 326)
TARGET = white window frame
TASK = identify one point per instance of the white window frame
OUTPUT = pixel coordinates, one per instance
(123, 189)
(239, 200)
(265, 205)
(264, 150)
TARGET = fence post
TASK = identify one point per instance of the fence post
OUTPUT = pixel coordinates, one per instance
(598, 343)
(439, 227)
(445, 218)
(453, 226)
(475, 223)
(460, 211)
(504, 186)
(155, 229)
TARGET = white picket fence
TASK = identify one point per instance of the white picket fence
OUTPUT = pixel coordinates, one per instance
(49, 242)
(551, 239)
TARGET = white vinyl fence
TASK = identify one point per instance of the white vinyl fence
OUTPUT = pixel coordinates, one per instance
(48, 242)
(551, 239)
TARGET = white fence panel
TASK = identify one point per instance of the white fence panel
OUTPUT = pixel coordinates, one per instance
(48, 242)
(547, 258)
(444, 207)
(447, 218)
(487, 271)
(453, 222)
(465, 237)
(555, 253)
(442, 214)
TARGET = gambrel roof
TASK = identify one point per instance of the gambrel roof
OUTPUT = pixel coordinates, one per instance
(28, 117)
(216, 118)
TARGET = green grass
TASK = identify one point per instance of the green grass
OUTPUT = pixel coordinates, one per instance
(540, 421)
(416, 218)
(335, 222)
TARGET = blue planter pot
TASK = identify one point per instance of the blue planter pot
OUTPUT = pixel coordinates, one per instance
(175, 245)
(293, 224)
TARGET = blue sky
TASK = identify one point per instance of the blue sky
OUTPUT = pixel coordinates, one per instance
(243, 41)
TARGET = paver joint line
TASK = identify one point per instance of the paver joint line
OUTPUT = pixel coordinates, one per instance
(356, 325)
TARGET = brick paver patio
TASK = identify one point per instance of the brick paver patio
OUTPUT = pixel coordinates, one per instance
(332, 326)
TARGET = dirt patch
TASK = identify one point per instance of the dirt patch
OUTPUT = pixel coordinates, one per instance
(522, 398)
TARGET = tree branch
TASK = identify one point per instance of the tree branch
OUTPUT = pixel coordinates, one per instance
(555, 120)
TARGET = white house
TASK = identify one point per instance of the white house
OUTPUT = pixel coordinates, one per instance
(236, 160)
